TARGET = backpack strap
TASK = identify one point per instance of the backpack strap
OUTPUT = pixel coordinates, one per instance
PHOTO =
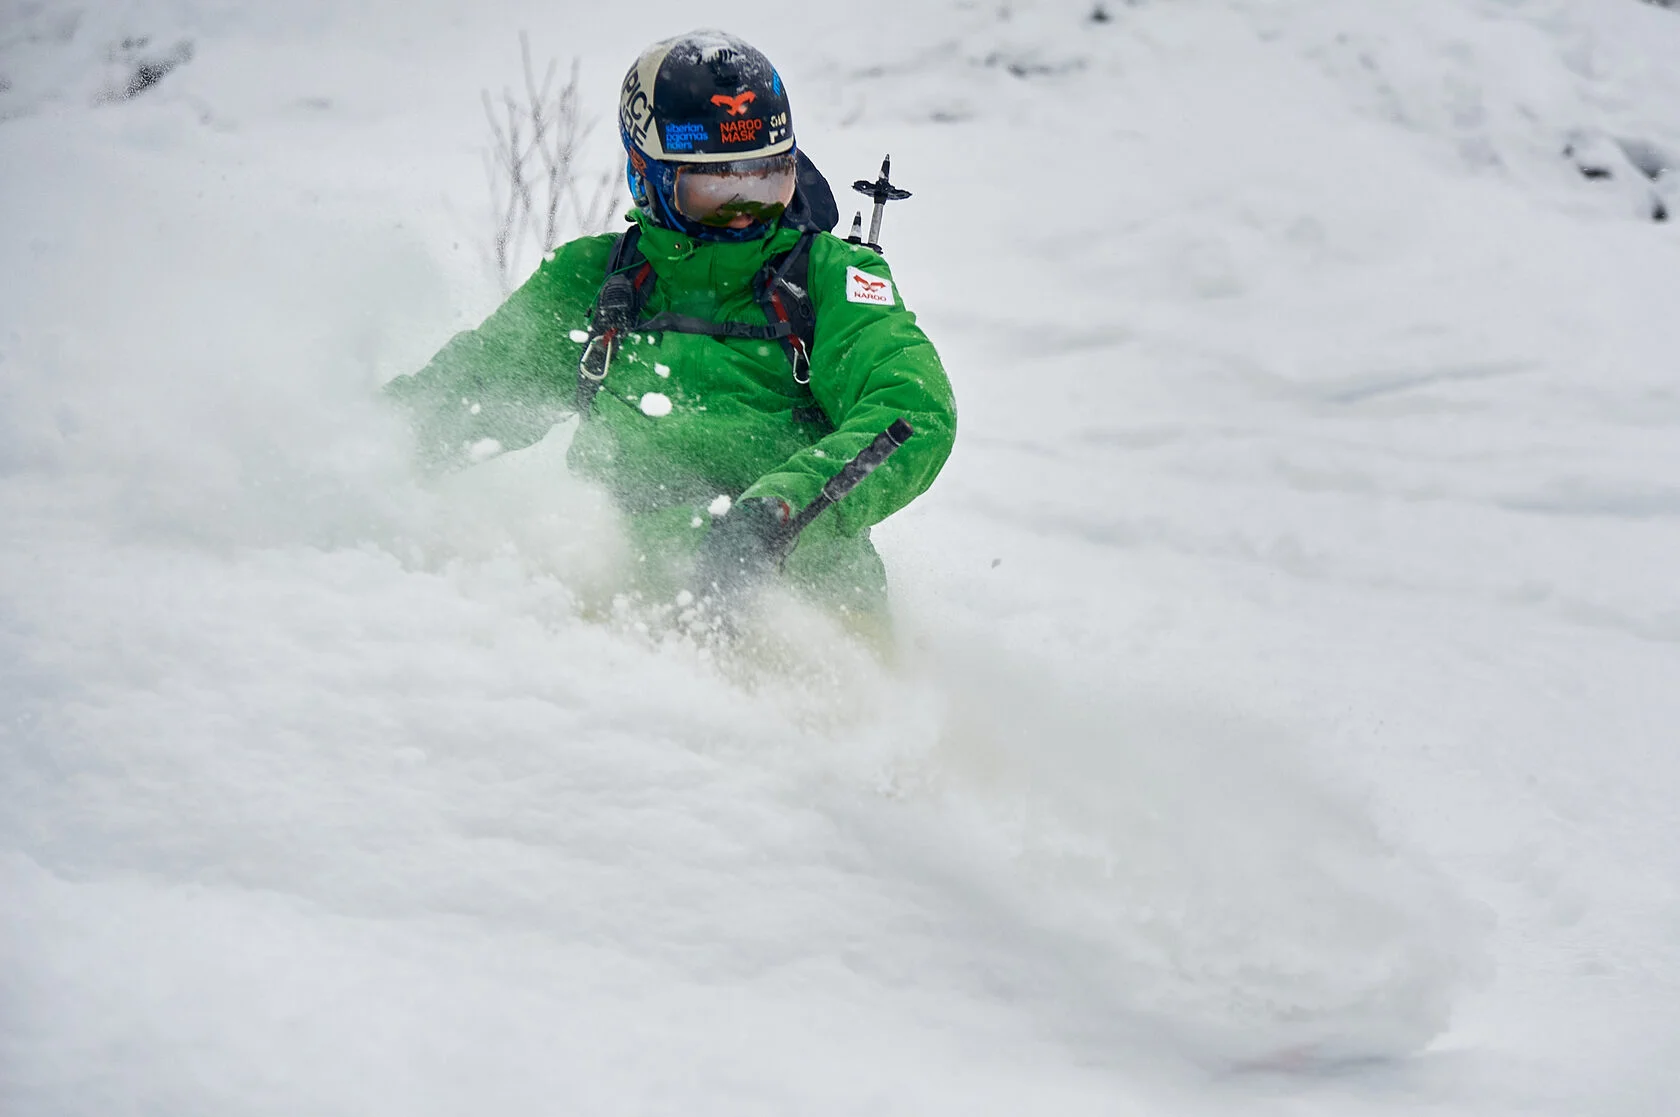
(687, 324)
(617, 306)
(782, 291)
(780, 288)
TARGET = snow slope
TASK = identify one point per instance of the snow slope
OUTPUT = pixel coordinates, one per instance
(1286, 715)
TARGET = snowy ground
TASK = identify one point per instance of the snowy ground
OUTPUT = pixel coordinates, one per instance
(1288, 716)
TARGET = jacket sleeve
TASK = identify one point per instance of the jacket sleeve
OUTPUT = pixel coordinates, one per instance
(870, 364)
(515, 376)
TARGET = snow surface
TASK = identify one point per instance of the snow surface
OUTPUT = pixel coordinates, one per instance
(1286, 714)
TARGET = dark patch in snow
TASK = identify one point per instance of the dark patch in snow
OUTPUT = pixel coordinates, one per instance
(1101, 14)
(1027, 67)
(146, 66)
(951, 115)
(1599, 158)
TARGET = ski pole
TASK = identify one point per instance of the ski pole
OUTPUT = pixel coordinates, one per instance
(869, 459)
(881, 191)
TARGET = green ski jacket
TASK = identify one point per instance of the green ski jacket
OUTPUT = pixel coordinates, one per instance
(682, 419)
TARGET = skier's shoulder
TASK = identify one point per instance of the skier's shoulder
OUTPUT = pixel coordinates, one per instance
(577, 266)
(830, 251)
(843, 272)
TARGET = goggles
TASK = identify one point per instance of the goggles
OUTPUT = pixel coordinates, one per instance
(719, 194)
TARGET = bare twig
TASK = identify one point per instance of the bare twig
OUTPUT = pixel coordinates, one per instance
(538, 142)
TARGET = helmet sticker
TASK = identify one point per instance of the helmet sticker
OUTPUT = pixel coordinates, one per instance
(861, 287)
(635, 107)
(683, 136)
(740, 131)
(736, 105)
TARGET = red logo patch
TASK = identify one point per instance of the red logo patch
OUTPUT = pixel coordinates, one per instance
(861, 287)
(737, 104)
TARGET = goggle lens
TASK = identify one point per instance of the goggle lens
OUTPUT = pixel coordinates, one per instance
(718, 194)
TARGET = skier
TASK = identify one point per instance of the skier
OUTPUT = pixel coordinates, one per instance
(728, 354)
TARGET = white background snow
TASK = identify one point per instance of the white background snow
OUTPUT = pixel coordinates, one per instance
(1287, 716)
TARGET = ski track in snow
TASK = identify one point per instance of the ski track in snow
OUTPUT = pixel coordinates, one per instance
(1285, 715)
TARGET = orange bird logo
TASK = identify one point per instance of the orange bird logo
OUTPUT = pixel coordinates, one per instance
(736, 105)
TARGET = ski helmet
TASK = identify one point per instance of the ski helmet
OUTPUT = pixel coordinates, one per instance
(709, 138)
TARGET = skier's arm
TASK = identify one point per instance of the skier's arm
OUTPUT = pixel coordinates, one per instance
(511, 379)
(871, 364)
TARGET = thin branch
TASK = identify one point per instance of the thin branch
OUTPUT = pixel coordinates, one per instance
(537, 144)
